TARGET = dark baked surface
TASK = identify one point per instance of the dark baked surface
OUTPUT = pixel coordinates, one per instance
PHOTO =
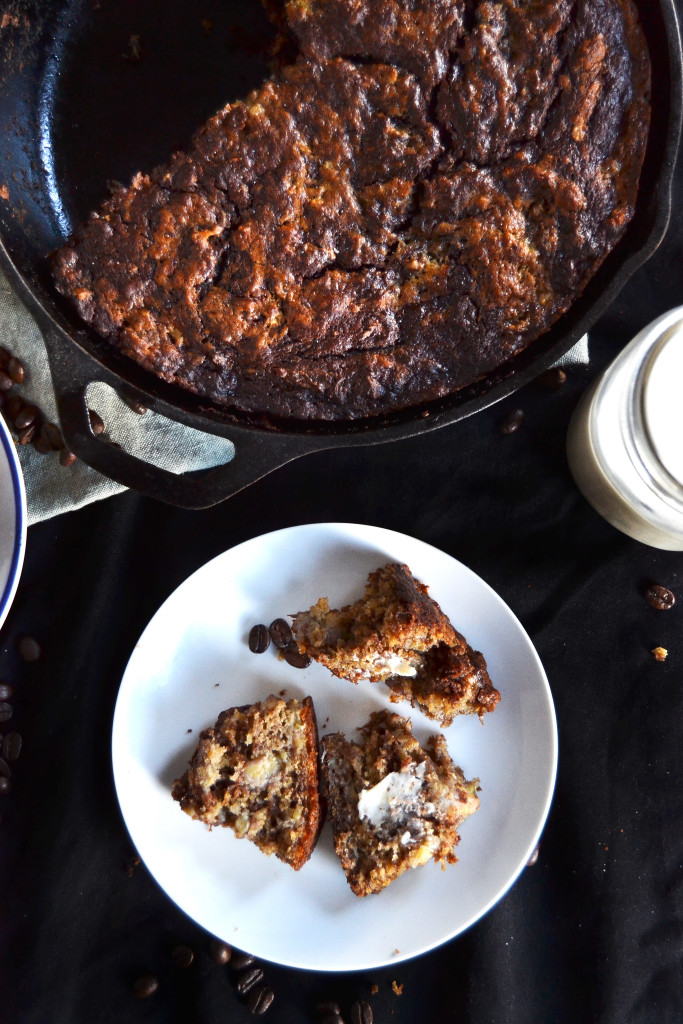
(397, 634)
(256, 772)
(418, 818)
(417, 198)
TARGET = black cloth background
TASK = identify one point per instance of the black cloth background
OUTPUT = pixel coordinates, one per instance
(592, 932)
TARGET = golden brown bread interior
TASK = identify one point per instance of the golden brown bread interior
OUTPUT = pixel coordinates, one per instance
(397, 634)
(256, 772)
(393, 804)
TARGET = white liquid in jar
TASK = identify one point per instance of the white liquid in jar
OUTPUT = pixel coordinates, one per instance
(625, 440)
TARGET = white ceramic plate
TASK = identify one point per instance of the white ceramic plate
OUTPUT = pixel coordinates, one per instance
(193, 661)
(12, 520)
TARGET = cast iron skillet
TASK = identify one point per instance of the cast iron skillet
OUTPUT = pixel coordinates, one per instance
(92, 90)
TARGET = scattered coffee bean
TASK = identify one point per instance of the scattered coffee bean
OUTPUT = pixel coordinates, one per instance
(5, 784)
(145, 986)
(136, 407)
(533, 858)
(248, 980)
(660, 597)
(294, 657)
(259, 639)
(260, 1000)
(53, 435)
(281, 633)
(29, 649)
(42, 444)
(11, 746)
(13, 407)
(182, 956)
(96, 422)
(329, 1010)
(221, 952)
(27, 434)
(5, 768)
(512, 422)
(361, 1012)
(66, 457)
(5, 711)
(15, 369)
(6, 382)
(6, 691)
(26, 416)
(554, 378)
(240, 961)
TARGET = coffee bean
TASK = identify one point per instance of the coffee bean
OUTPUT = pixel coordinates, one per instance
(512, 422)
(145, 986)
(554, 378)
(221, 952)
(96, 422)
(281, 633)
(66, 457)
(294, 657)
(660, 597)
(5, 711)
(260, 1000)
(15, 369)
(6, 691)
(27, 434)
(5, 784)
(29, 649)
(240, 961)
(361, 1012)
(42, 444)
(53, 435)
(13, 407)
(329, 1009)
(182, 956)
(6, 382)
(26, 416)
(5, 768)
(136, 407)
(11, 746)
(259, 639)
(249, 979)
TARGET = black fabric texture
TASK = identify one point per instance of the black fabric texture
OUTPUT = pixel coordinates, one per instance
(593, 932)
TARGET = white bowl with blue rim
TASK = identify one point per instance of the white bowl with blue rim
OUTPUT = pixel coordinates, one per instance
(12, 520)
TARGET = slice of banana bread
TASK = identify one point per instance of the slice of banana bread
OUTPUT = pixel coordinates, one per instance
(393, 804)
(397, 634)
(256, 772)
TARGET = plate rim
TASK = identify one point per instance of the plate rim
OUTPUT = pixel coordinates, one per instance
(553, 752)
(20, 515)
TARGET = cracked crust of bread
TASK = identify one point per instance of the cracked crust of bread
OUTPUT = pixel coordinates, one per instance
(397, 634)
(421, 821)
(413, 201)
(256, 772)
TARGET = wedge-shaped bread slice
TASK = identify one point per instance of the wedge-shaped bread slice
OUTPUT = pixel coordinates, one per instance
(393, 804)
(397, 634)
(256, 772)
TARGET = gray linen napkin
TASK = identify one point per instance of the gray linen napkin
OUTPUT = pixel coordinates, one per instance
(52, 488)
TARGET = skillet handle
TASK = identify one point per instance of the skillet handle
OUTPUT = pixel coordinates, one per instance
(257, 453)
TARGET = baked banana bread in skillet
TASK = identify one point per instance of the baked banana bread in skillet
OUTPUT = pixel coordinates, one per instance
(415, 199)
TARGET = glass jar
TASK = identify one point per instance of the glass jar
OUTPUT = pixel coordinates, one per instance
(625, 440)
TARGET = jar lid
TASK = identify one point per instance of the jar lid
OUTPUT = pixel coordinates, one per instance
(662, 400)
